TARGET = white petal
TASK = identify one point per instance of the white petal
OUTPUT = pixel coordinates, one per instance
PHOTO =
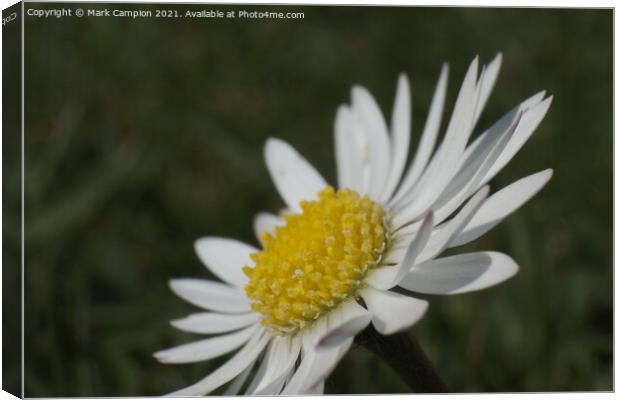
(317, 389)
(524, 106)
(325, 362)
(487, 83)
(274, 387)
(281, 364)
(444, 234)
(270, 357)
(347, 158)
(211, 295)
(428, 138)
(368, 113)
(533, 100)
(351, 318)
(401, 133)
(225, 258)
(443, 165)
(229, 370)
(500, 205)
(472, 178)
(262, 369)
(205, 349)
(293, 176)
(358, 146)
(294, 385)
(441, 235)
(388, 277)
(266, 222)
(312, 334)
(237, 383)
(392, 312)
(471, 164)
(481, 156)
(210, 323)
(322, 352)
(528, 124)
(460, 274)
(310, 338)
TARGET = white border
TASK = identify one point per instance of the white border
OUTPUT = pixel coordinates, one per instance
(480, 3)
(435, 3)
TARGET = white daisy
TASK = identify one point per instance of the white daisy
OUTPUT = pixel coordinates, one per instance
(328, 262)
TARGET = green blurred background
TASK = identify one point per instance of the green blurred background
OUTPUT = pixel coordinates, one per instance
(143, 135)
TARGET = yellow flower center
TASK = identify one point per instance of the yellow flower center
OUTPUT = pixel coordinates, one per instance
(316, 260)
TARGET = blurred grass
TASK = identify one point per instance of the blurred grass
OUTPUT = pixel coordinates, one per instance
(143, 135)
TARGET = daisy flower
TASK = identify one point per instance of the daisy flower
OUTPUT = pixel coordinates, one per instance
(338, 259)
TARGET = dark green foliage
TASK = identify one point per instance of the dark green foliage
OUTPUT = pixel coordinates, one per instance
(143, 135)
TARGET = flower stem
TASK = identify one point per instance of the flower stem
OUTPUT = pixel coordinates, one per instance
(405, 356)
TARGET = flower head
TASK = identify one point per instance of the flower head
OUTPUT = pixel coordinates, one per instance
(317, 260)
(328, 265)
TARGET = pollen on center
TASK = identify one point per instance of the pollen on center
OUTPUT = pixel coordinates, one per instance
(316, 260)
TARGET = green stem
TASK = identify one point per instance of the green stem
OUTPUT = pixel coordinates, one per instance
(405, 356)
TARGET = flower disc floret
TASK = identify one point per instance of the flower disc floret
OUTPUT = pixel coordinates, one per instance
(317, 259)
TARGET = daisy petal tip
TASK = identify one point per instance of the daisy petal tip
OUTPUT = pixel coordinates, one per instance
(174, 284)
(160, 356)
(499, 269)
(543, 177)
(500, 275)
(271, 142)
(200, 244)
(513, 270)
(475, 62)
(497, 61)
(359, 97)
(403, 80)
(177, 323)
(274, 145)
(546, 175)
(424, 308)
(342, 110)
(178, 284)
(534, 100)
